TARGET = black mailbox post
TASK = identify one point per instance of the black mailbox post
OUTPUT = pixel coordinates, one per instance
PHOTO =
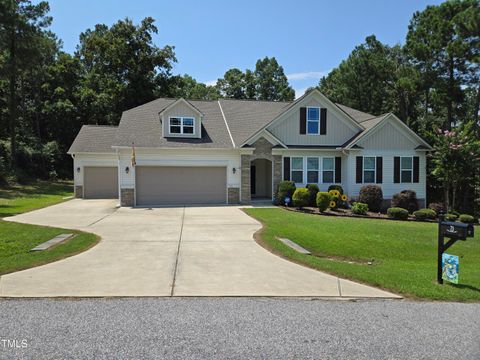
(454, 231)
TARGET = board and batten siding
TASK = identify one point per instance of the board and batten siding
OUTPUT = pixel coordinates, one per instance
(288, 128)
(181, 109)
(388, 137)
(388, 186)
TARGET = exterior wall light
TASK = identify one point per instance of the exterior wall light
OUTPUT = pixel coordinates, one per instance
(234, 170)
(127, 169)
(78, 169)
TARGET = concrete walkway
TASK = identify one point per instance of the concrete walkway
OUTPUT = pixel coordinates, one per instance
(178, 251)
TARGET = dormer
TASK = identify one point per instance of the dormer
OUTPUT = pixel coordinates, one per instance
(181, 120)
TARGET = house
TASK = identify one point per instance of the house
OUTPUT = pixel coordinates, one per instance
(177, 151)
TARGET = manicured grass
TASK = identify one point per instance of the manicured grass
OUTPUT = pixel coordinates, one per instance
(22, 198)
(16, 240)
(403, 254)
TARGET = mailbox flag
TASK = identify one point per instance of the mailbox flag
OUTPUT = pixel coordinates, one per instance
(134, 161)
(450, 268)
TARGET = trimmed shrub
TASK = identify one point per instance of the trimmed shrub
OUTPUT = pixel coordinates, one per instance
(454, 212)
(336, 187)
(424, 214)
(437, 207)
(285, 189)
(406, 199)
(301, 197)
(312, 191)
(451, 217)
(359, 208)
(323, 200)
(372, 196)
(397, 213)
(467, 219)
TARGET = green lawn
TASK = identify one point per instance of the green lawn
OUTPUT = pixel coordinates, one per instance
(22, 198)
(403, 253)
(16, 239)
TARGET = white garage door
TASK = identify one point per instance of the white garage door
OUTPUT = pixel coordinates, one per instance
(100, 182)
(173, 185)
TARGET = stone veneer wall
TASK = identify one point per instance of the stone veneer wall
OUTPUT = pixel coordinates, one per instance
(233, 195)
(263, 150)
(79, 191)
(127, 197)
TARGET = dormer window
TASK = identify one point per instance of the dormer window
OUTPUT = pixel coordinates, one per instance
(313, 120)
(182, 125)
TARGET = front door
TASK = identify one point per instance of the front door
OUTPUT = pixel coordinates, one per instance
(253, 176)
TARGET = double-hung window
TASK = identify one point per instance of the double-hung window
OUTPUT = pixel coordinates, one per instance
(182, 125)
(312, 170)
(328, 170)
(369, 169)
(313, 120)
(297, 170)
(406, 169)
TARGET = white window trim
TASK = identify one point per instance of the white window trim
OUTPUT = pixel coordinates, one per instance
(333, 170)
(318, 121)
(404, 169)
(292, 169)
(374, 170)
(182, 118)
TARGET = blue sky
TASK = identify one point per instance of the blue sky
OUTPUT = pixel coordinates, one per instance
(308, 38)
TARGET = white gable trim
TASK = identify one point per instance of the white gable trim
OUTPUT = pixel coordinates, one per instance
(185, 102)
(268, 136)
(297, 103)
(399, 124)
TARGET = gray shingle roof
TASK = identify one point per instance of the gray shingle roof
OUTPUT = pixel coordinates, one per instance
(94, 139)
(141, 125)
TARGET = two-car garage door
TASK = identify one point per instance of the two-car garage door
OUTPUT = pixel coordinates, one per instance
(170, 185)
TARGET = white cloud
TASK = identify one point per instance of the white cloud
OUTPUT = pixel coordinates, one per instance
(307, 75)
(210, 82)
(299, 92)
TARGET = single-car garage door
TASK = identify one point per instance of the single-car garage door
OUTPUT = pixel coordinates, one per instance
(170, 185)
(100, 182)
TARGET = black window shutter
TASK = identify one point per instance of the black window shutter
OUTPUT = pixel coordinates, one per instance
(323, 121)
(379, 179)
(303, 120)
(416, 169)
(396, 169)
(338, 169)
(286, 168)
(359, 169)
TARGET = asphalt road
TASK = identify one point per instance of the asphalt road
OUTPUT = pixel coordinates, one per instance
(226, 328)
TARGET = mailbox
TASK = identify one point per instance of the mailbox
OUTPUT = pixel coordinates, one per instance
(456, 230)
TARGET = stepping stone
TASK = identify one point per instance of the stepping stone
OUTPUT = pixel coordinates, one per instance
(56, 240)
(294, 246)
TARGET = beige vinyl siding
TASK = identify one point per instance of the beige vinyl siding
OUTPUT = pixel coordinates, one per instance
(288, 129)
(387, 137)
(181, 110)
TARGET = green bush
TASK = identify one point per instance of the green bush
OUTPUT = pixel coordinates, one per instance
(301, 196)
(451, 217)
(359, 208)
(372, 196)
(285, 189)
(425, 214)
(336, 187)
(454, 212)
(406, 199)
(312, 191)
(323, 201)
(467, 219)
(397, 213)
(437, 207)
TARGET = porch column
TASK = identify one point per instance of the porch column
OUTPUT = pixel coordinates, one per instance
(245, 179)
(277, 172)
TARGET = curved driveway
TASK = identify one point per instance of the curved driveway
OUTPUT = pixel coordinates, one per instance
(176, 251)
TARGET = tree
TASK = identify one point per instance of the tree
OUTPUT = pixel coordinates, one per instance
(22, 25)
(271, 81)
(443, 42)
(187, 87)
(233, 84)
(122, 67)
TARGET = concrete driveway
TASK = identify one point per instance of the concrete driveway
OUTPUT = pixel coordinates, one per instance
(178, 251)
